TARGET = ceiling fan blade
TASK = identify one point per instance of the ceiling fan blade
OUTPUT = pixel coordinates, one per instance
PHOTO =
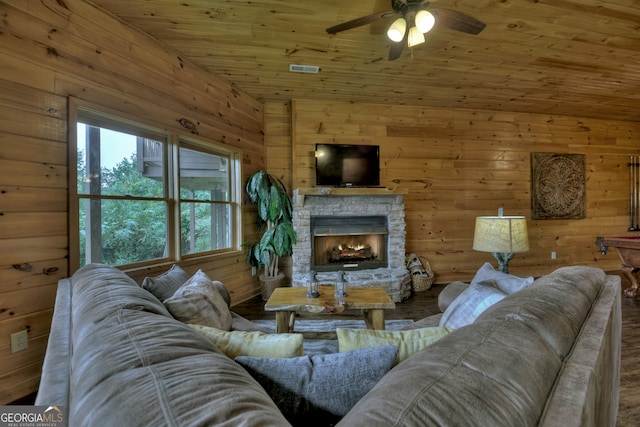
(458, 21)
(396, 49)
(358, 22)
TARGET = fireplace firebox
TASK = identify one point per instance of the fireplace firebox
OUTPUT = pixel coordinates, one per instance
(349, 242)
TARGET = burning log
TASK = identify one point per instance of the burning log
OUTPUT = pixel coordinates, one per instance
(350, 252)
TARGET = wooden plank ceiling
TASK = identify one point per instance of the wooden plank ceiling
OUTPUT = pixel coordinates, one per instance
(567, 57)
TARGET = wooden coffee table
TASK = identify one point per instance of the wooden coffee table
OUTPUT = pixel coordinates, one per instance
(286, 302)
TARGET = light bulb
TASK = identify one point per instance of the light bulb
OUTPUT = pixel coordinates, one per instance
(397, 29)
(425, 21)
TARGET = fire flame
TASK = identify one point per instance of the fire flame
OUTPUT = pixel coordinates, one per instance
(352, 246)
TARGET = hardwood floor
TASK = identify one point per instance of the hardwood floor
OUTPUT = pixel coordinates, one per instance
(424, 304)
(629, 409)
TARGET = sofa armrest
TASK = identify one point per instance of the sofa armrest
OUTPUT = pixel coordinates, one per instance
(445, 297)
(240, 323)
(54, 383)
(428, 322)
(449, 293)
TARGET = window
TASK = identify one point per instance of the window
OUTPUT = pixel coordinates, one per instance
(146, 196)
(205, 208)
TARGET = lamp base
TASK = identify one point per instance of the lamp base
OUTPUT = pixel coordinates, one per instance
(503, 260)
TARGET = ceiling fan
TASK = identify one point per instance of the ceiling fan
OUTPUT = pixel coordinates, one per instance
(412, 21)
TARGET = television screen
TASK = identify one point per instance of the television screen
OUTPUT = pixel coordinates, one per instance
(347, 165)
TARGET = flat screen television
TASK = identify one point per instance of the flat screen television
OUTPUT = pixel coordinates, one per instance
(347, 165)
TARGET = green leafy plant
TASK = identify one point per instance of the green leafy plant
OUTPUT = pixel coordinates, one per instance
(274, 217)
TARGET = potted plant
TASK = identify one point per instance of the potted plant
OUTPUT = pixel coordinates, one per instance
(274, 218)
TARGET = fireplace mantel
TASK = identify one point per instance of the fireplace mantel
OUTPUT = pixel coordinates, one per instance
(300, 193)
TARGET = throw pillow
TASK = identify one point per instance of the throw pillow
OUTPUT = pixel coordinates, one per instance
(470, 304)
(408, 342)
(319, 390)
(165, 285)
(223, 291)
(199, 302)
(507, 283)
(253, 343)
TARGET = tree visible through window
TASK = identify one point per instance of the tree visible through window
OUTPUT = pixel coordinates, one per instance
(131, 209)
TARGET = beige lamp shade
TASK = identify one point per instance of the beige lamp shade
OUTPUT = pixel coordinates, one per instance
(501, 234)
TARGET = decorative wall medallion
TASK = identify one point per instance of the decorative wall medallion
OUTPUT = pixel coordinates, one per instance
(558, 186)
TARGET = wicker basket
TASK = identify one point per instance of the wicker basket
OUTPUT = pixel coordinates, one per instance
(421, 283)
(421, 273)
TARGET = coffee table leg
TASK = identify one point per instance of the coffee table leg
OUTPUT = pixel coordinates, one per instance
(374, 319)
(285, 321)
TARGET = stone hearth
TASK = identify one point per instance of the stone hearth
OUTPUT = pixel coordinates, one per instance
(353, 202)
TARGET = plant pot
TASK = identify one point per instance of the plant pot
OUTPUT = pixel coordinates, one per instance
(268, 284)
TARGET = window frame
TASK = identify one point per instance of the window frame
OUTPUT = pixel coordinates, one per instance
(235, 190)
(82, 111)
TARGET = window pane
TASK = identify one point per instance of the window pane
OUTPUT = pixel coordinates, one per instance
(204, 227)
(203, 176)
(119, 232)
(118, 164)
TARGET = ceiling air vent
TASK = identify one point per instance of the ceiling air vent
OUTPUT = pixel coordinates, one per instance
(295, 68)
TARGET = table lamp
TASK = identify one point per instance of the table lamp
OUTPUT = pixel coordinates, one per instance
(503, 236)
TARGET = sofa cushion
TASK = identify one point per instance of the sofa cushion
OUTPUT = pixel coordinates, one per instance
(507, 283)
(131, 338)
(198, 301)
(113, 290)
(555, 306)
(408, 341)
(319, 390)
(135, 353)
(253, 343)
(586, 280)
(166, 284)
(494, 373)
(470, 304)
(199, 390)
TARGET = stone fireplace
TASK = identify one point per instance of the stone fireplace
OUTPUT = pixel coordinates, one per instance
(357, 232)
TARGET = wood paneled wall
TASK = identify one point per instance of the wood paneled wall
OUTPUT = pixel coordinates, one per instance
(277, 138)
(50, 50)
(455, 164)
(459, 164)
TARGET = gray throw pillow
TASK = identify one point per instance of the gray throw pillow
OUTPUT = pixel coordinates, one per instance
(223, 292)
(199, 302)
(320, 389)
(507, 283)
(165, 285)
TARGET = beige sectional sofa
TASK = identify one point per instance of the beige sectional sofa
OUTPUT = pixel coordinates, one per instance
(547, 355)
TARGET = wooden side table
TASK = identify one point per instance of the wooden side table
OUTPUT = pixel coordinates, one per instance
(286, 302)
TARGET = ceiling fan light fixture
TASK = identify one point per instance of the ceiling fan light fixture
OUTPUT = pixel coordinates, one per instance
(397, 29)
(415, 37)
(425, 21)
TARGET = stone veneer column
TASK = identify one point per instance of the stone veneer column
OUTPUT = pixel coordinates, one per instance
(353, 202)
